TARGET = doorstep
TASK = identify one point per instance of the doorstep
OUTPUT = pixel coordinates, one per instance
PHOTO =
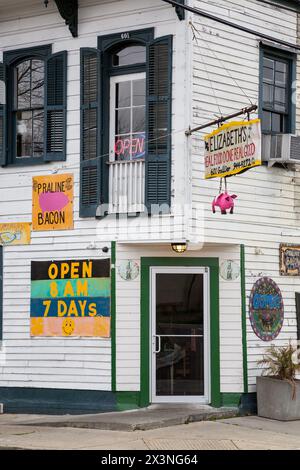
(153, 417)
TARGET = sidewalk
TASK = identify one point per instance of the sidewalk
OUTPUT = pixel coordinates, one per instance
(248, 433)
(153, 417)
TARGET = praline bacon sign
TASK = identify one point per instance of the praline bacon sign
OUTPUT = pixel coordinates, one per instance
(266, 309)
(233, 148)
(70, 298)
(52, 202)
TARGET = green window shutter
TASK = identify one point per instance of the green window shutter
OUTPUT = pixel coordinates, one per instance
(56, 107)
(159, 114)
(91, 164)
(2, 117)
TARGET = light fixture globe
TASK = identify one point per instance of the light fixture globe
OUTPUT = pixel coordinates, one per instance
(179, 248)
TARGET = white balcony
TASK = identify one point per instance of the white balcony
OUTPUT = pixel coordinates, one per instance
(126, 186)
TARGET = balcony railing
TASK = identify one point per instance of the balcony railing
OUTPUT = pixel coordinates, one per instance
(126, 186)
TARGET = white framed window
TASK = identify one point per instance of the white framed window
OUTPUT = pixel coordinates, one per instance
(127, 117)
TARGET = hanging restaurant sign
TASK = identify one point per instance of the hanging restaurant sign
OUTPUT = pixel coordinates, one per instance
(232, 149)
(52, 202)
(266, 309)
(70, 298)
(289, 260)
(16, 233)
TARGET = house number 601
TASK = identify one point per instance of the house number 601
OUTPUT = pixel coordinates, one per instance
(125, 36)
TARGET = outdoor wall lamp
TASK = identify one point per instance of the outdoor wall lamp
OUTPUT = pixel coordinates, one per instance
(179, 248)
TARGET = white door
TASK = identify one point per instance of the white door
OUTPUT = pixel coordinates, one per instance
(180, 359)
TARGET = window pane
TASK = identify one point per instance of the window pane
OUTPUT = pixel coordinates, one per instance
(139, 92)
(280, 100)
(130, 55)
(280, 78)
(38, 133)
(280, 95)
(24, 134)
(123, 146)
(123, 121)
(23, 79)
(29, 116)
(123, 94)
(281, 66)
(266, 121)
(138, 146)
(268, 94)
(268, 72)
(138, 119)
(276, 123)
(269, 63)
(37, 85)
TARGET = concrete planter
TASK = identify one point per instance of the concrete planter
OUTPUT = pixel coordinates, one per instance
(274, 399)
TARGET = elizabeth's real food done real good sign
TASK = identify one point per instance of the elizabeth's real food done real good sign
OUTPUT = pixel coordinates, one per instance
(232, 149)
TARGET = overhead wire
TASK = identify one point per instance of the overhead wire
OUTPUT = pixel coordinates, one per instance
(221, 62)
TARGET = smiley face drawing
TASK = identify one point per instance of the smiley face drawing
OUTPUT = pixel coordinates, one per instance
(68, 326)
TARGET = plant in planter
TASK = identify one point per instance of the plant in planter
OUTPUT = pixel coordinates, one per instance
(278, 390)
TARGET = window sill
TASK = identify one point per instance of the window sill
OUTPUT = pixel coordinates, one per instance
(123, 162)
(27, 163)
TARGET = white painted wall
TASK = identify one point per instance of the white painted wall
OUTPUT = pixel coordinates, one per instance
(226, 79)
(69, 363)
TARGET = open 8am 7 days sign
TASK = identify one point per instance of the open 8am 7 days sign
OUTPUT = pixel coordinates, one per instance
(70, 298)
(233, 148)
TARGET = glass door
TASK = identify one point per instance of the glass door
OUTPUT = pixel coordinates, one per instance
(180, 358)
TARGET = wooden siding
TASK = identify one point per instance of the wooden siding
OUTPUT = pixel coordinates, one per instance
(226, 79)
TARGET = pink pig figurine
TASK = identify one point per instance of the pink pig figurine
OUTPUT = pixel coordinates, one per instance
(225, 202)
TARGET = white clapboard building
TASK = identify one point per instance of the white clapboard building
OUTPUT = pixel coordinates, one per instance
(126, 289)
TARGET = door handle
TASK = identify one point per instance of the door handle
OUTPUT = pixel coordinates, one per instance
(159, 344)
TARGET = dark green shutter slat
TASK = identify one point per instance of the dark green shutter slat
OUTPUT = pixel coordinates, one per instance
(91, 164)
(159, 112)
(56, 107)
(2, 116)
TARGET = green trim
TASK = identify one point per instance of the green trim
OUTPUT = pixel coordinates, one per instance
(231, 399)
(244, 317)
(30, 400)
(127, 400)
(113, 318)
(213, 264)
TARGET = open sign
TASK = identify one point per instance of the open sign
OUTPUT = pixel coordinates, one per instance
(130, 147)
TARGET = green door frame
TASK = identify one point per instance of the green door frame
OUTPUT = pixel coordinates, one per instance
(213, 265)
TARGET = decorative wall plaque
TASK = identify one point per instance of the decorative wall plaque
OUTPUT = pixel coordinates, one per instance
(229, 270)
(290, 260)
(129, 270)
(266, 309)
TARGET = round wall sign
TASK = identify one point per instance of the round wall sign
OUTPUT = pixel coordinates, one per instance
(129, 270)
(266, 309)
(229, 270)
